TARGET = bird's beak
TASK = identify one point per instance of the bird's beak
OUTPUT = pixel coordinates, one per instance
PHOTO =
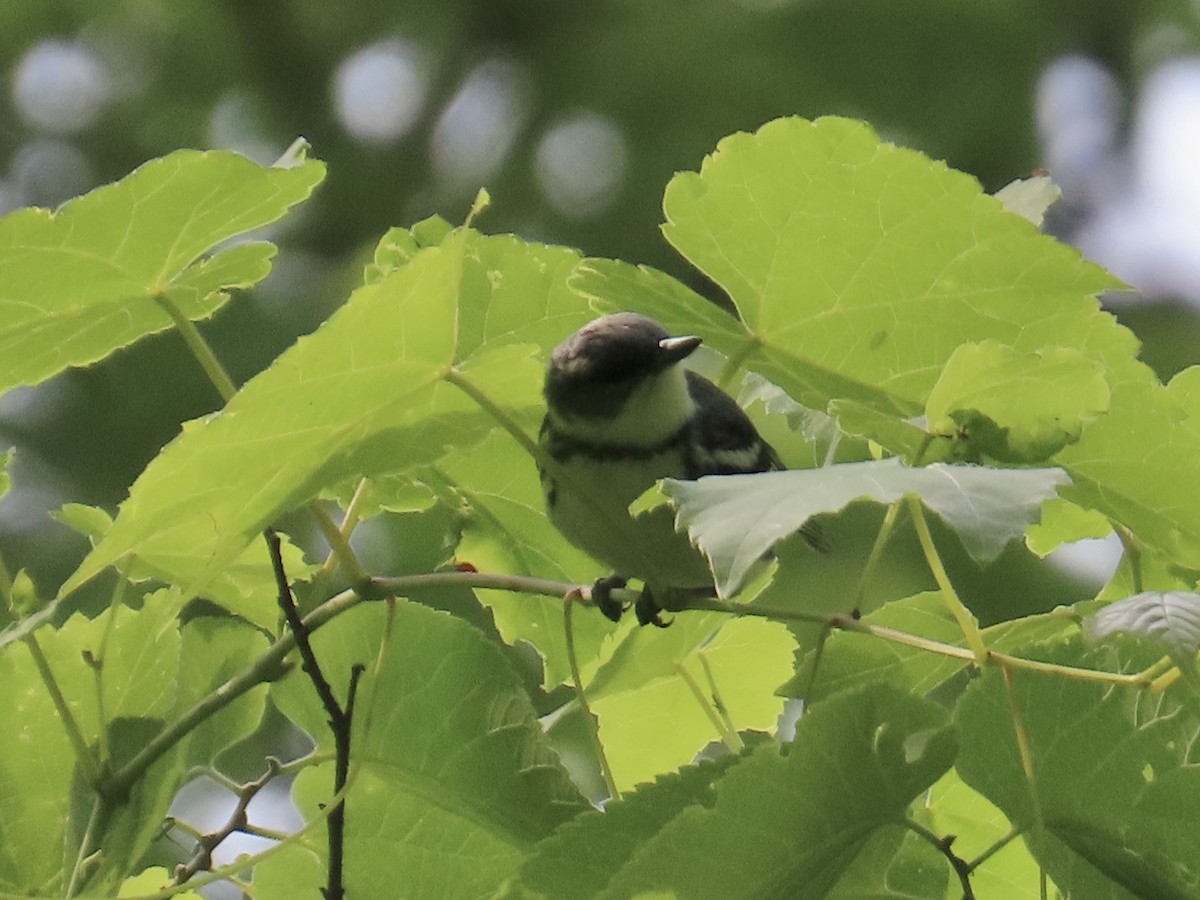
(676, 348)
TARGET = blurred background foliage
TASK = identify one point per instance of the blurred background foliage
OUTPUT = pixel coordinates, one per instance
(574, 116)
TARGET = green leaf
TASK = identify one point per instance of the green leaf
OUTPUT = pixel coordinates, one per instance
(5, 477)
(36, 765)
(453, 780)
(294, 872)
(246, 587)
(735, 519)
(366, 379)
(787, 822)
(1114, 804)
(81, 282)
(652, 722)
(1015, 407)
(857, 267)
(1169, 620)
(1063, 522)
(898, 436)
(151, 881)
(1140, 465)
(894, 864)
(581, 856)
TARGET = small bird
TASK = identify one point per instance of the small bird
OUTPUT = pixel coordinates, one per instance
(623, 412)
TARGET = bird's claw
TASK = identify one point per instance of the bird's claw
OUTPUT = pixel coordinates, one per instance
(602, 596)
(648, 612)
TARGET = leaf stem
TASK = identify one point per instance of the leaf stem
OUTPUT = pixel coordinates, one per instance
(593, 725)
(996, 847)
(732, 739)
(1023, 746)
(717, 701)
(886, 529)
(199, 347)
(95, 826)
(339, 545)
(965, 618)
(349, 522)
(83, 753)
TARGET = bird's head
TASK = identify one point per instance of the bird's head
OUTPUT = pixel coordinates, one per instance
(594, 371)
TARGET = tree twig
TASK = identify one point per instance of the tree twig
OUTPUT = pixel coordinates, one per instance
(201, 859)
(961, 867)
(339, 716)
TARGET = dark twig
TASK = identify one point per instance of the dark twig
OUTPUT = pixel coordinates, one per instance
(201, 860)
(961, 867)
(339, 716)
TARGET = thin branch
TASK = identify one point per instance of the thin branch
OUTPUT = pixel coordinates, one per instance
(201, 860)
(996, 847)
(943, 844)
(339, 716)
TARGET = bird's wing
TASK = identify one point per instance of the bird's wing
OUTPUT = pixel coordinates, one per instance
(725, 442)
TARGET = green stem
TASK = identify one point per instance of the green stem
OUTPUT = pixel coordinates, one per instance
(995, 848)
(200, 349)
(97, 822)
(339, 544)
(1023, 745)
(96, 664)
(886, 528)
(732, 739)
(83, 753)
(589, 717)
(349, 523)
(718, 701)
(966, 620)
(1133, 552)
(845, 622)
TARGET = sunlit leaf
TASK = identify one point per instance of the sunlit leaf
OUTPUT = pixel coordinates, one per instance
(652, 721)
(1015, 407)
(788, 824)
(1140, 465)
(857, 267)
(83, 281)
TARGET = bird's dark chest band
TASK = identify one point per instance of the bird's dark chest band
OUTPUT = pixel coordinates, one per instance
(564, 448)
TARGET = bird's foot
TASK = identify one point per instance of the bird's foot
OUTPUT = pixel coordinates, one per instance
(602, 596)
(648, 611)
